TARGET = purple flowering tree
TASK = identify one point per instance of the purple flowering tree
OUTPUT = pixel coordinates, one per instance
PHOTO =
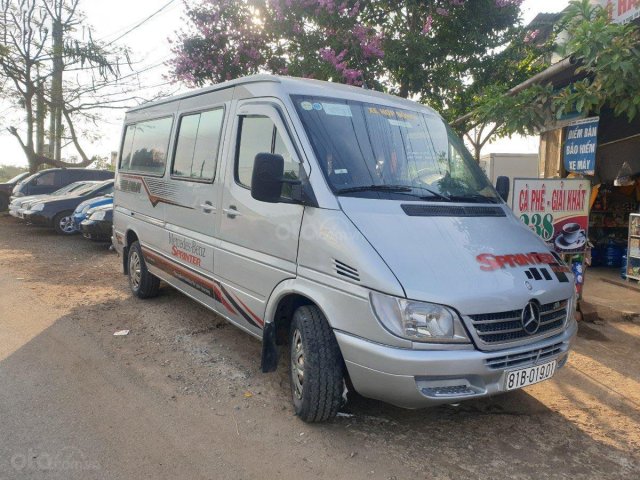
(439, 52)
(413, 48)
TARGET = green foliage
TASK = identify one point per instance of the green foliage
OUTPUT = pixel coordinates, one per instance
(7, 172)
(439, 52)
(609, 60)
(103, 163)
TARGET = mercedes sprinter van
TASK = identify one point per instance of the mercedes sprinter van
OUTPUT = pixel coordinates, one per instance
(350, 225)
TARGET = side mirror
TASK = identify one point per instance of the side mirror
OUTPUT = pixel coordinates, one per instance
(503, 184)
(268, 177)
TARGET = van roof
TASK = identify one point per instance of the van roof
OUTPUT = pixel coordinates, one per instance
(298, 86)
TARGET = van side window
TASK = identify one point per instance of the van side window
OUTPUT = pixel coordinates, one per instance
(258, 134)
(148, 153)
(197, 149)
(127, 145)
(48, 178)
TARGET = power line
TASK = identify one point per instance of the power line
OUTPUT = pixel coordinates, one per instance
(142, 22)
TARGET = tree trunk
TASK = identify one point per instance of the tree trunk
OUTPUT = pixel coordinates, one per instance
(41, 113)
(55, 125)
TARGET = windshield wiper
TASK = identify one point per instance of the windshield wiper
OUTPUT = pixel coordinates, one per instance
(433, 194)
(473, 198)
(375, 188)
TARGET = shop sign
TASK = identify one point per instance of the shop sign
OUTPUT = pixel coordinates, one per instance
(557, 209)
(579, 150)
(621, 11)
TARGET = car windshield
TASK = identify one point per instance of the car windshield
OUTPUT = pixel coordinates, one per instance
(69, 188)
(89, 187)
(377, 151)
(100, 186)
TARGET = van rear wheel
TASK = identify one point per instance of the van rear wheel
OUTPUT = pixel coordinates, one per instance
(317, 371)
(143, 284)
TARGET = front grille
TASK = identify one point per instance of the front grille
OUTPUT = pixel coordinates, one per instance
(517, 359)
(451, 391)
(501, 327)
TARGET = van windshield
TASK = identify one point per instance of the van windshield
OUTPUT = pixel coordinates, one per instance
(376, 151)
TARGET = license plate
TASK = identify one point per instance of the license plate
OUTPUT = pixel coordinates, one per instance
(529, 376)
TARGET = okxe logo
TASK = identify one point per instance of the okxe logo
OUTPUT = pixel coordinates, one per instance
(530, 318)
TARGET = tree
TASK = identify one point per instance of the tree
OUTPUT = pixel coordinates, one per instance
(439, 52)
(41, 44)
(609, 75)
(7, 172)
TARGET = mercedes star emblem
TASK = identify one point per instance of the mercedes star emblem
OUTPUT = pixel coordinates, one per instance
(530, 318)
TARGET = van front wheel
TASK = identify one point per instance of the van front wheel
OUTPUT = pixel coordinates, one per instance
(142, 283)
(316, 366)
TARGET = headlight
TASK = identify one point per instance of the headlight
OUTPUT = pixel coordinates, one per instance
(418, 321)
(38, 207)
(572, 306)
(98, 215)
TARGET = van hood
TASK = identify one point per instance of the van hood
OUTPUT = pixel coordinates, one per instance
(475, 264)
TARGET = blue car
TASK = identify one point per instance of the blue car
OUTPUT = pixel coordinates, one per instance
(80, 212)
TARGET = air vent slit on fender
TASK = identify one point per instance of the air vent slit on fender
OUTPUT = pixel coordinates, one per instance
(346, 270)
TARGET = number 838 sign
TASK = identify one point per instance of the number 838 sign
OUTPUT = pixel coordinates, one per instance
(556, 209)
(542, 225)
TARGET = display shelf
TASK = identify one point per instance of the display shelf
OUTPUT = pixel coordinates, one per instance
(633, 248)
(608, 226)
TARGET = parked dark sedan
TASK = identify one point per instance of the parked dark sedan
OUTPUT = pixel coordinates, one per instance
(7, 187)
(58, 212)
(52, 179)
(97, 225)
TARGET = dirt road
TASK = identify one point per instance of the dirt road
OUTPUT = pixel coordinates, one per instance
(182, 397)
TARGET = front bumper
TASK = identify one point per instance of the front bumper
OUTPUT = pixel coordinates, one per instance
(78, 218)
(37, 218)
(421, 378)
(14, 212)
(96, 230)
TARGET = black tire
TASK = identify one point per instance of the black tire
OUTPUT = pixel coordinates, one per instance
(4, 203)
(63, 223)
(314, 353)
(142, 283)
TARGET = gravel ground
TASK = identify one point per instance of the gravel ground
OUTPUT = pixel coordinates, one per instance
(584, 423)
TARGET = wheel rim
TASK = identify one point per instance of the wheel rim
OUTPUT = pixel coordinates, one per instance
(66, 224)
(135, 269)
(297, 364)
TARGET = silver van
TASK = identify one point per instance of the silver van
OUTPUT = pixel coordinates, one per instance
(352, 226)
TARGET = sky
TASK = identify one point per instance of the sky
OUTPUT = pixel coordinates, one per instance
(149, 45)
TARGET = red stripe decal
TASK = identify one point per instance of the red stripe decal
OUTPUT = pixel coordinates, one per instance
(172, 268)
(255, 317)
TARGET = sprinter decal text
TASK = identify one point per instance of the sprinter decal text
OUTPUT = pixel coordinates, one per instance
(489, 262)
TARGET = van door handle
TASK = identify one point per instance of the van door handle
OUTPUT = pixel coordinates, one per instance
(207, 207)
(232, 212)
